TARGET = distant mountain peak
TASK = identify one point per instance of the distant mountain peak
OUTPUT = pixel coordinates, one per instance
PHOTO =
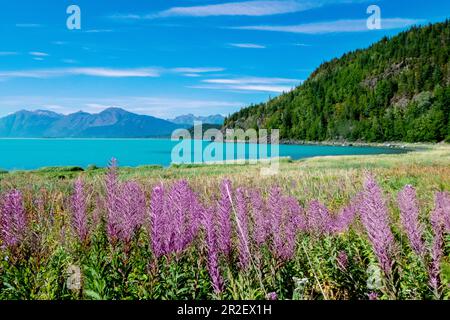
(110, 123)
(189, 119)
(115, 110)
(38, 112)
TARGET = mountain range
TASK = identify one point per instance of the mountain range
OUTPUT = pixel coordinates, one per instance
(110, 123)
(398, 89)
(189, 119)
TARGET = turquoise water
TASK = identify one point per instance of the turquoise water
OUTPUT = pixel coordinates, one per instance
(16, 154)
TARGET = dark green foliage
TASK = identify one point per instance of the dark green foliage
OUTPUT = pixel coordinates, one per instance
(396, 90)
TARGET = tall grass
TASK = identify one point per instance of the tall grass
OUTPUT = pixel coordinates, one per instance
(130, 238)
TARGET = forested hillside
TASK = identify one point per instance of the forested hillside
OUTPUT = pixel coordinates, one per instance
(396, 90)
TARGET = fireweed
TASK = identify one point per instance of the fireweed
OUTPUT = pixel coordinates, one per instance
(261, 224)
(112, 203)
(237, 224)
(242, 228)
(209, 224)
(79, 217)
(375, 217)
(13, 220)
(409, 215)
(225, 206)
(438, 217)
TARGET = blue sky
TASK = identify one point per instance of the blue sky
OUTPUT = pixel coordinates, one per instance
(166, 58)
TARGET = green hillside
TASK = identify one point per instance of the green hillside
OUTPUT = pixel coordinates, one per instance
(396, 90)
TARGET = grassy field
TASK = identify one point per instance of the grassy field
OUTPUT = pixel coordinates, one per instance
(428, 170)
(41, 265)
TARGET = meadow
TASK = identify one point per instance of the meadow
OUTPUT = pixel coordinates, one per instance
(346, 227)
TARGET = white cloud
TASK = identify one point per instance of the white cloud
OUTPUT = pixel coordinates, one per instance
(252, 80)
(115, 73)
(254, 84)
(247, 45)
(196, 70)
(163, 107)
(8, 53)
(93, 72)
(38, 54)
(126, 17)
(69, 61)
(247, 8)
(28, 25)
(253, 8)
(334, 26)
(191, 75)
(99, 31)
(103, 72)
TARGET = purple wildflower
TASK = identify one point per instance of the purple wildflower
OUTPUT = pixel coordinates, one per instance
(298, 214)
(320, 221)
(213, 255)
(225, 217)
(79, 217)
(286, 218)
(373, 296)
(261, 227)
(272, 296)
(292, 222)
(193, 218)
(409, 215)
(242, 226)
(444, 205)
(346, 216)
(13, 220)
(375, 218)
(112, 202)
(132, 208)
(157, 228)
(276, 218)
(438, 223)
(182, 209)
(342, 260)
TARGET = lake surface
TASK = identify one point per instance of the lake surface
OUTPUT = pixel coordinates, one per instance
(18, 154)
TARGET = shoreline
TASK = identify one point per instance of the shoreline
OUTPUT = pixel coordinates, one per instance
(289, 142)
(403, 148)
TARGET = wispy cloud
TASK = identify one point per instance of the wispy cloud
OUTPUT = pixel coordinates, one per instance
(69, 61)
(38, 54)
(247, 45)
(248, 8)
(197, 70)
(335, 26)
(163, 107)
(103, 72)
(255, 8)
(99, 31)
(125, 17)
(142, 104)
(253, 84)
(28, 25)
(8, 53)
(252, 80)
(191, 75)
(115, 73)
(93, 72)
